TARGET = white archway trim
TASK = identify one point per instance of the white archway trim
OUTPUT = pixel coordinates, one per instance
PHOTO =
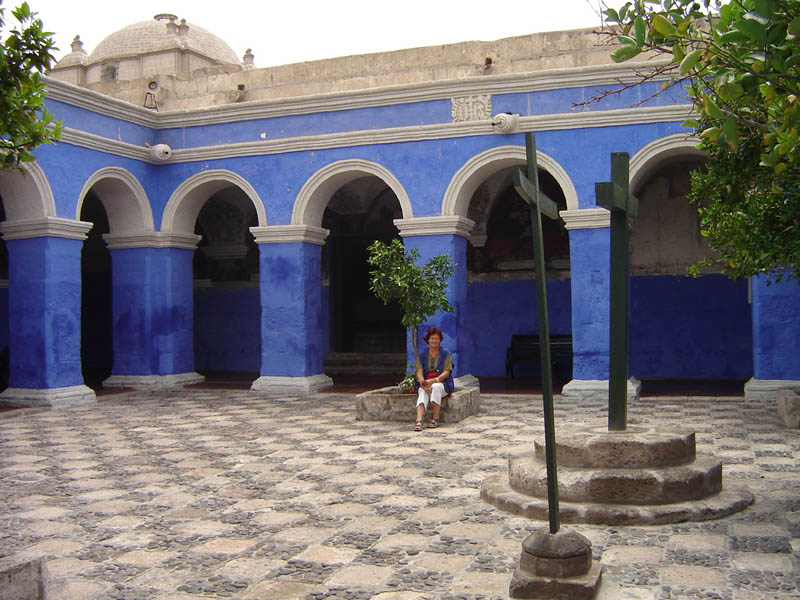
(467, 179)
(318, 189)
(45, 227)
(123, 198)
(184, 205)
(442, 225)
(677, 144)
(586, 218)
(279, 234)
(26, 194)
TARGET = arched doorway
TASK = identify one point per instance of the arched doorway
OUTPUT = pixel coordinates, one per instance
(681, 328)
(227, 308)
(501, 272)
(358, 213)
(96, 311)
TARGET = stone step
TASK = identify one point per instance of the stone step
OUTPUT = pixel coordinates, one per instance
(354, 363)
(527, 474)
(635, 447)
(496, 491)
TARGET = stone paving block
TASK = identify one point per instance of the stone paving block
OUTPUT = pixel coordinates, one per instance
(762, 561)
(698, 577)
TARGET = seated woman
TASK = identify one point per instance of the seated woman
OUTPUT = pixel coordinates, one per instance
(434, 377)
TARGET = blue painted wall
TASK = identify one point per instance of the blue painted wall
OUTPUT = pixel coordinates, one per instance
(4, 334)
(227, 332)
(152, 311)
(498, 309)
(685, 328)
(776, 329)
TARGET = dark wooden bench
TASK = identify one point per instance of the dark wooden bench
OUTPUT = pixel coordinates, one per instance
(525, 348)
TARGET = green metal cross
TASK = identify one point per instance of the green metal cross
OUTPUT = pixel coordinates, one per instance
(528, 189)
(616, 197)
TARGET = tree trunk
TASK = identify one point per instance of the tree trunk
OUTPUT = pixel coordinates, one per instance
(414, 334)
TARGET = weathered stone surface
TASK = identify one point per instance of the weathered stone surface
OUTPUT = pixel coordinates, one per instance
(22, 580)
(388, 404)
(789, 407)
(496, 491)
(561, 554)
(582, 587)
(633, 448)
(702, 478)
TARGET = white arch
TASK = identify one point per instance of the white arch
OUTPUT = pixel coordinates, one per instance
(318, 189)
(123, 198)
(184, 205)
(677, 144)
(26, 193)
(478, 168)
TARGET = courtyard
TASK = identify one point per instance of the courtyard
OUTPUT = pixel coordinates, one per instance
(206, 493)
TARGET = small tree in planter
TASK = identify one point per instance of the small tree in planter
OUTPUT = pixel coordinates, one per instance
(419, 290)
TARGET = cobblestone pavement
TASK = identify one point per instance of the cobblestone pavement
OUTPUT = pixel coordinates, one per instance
(197, 494)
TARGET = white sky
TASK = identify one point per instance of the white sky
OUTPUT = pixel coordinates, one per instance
(283, 32)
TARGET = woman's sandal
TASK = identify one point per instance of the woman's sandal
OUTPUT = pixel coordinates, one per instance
(433, 423)
(418, 426)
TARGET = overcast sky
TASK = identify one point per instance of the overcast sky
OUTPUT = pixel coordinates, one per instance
(283, 32)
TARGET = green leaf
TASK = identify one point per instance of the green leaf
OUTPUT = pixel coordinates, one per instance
(794, 27)
(639, 30)
(752, 29)
(663, 26)
(730, 91)
(624, 53)
(765, 8)
(734, 36)
(730, 133)
(711, 109)
(689, 62)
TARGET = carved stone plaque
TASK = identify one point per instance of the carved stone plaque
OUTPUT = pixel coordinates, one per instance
(471, 108)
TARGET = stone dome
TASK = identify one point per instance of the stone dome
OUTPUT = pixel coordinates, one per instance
(163, 32)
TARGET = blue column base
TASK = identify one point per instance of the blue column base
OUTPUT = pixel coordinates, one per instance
(291, 386)
(597, 389)
(153, 382)
(63, 397)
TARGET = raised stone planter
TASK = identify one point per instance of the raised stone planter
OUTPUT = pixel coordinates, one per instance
(389, 404)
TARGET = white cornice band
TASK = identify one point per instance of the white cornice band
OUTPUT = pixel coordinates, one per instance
(151, 239)
(565, 121)
(444, 225)
(280, 234)
(45, 227)
(586, 218)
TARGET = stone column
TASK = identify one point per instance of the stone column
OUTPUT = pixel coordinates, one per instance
(446, 235)
(44, 312)
(152, 310)
(590, 273)
(293, 341)
(776, 337)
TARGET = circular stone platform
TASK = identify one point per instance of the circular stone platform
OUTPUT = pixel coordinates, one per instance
(637, 476)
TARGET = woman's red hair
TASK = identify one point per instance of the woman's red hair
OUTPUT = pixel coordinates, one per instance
(433, 331)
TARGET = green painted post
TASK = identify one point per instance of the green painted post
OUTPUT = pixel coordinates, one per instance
(616, 197)
(528, 189)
